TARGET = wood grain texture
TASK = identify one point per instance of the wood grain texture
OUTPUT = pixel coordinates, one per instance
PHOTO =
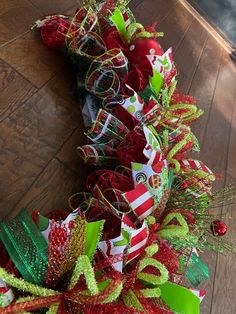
(54, 6)
(22, 158)
(32, 59)
(14, 90)
(51, 190)
(174, 26)
(15, 18)
(150, 11)
(215, 146)
(32, 135)
(68, 154)
(231, 167)
(48, 116)
(224, 285)
(203, 84)
(189, 53)
(216, 140)
(203, 87)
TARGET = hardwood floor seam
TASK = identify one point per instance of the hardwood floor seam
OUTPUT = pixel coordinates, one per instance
(15, 38)
(66, 165)
(40, 173)
(198, 62)
(211, 106)
(182, 38)
(38, 89)
(224, 184)
(165, 17)
(25, 78)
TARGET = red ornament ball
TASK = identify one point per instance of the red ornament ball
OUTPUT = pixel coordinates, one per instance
(218, 228)
(53, 32)
(140, 48)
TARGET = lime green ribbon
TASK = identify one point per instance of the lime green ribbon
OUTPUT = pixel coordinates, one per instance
(172, 231)
(133, 31)
(93, 231)
(179, 299)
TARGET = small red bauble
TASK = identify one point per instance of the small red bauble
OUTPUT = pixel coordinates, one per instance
(218, 228)
(140, 48)
(53, 32)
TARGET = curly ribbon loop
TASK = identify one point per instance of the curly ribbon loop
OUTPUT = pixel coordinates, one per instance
(132, 297)
(103, 77)
(153, 279)
(107, 128)
(84, 21)
(99, 154)
(171, 231)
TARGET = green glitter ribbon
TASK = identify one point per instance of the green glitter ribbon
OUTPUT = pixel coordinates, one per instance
(197, 270)
(26, 246)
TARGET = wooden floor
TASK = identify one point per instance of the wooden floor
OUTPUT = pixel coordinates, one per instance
(40, 123)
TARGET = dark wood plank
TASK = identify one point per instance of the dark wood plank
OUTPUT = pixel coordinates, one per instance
(231, 167)
(54, 6)
(134, 3)
(175, 26)
(203, 88)
(32, 135)
(189, 53)
(16, 17)
(51, 190)
(204, 83)
(214, 152)
(68, 153)
(33, 60)
(224, 287)
(22, 158)
(50, 115)
(224, 295)
(14, 90)
(150, 11)
(216, 140)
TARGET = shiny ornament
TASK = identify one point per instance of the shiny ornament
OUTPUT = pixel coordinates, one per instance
(53, 32)
(140, 48)
(218, 228)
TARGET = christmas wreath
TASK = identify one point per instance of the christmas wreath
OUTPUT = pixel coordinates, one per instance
(132, 241)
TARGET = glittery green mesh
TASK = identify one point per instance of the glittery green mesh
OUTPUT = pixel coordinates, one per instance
(26, 247)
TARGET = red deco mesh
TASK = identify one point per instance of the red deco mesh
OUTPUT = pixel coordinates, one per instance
(131, 149)
(115, 308)
(99, 211)
(108, 186)
(104, 263)
(64, 249)
(123, 115)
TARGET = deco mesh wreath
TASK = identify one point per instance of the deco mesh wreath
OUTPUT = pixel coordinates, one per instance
(131, 243)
